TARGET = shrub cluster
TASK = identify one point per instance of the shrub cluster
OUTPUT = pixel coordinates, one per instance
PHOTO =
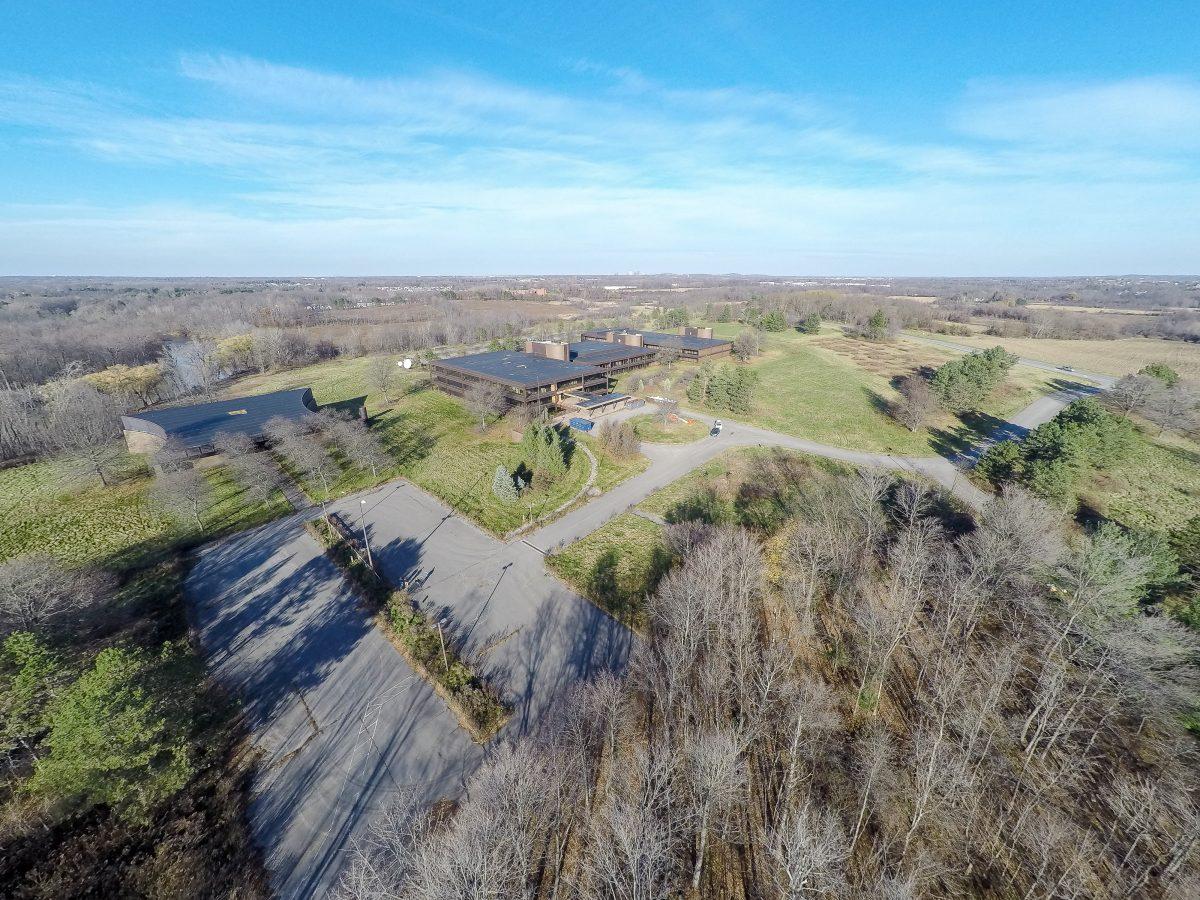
(966, 382)
(728, 387)
(1051, 460)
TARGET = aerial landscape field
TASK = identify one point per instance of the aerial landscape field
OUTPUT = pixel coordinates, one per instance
(608, 451)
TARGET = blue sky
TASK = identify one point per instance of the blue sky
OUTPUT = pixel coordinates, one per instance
(384, 138)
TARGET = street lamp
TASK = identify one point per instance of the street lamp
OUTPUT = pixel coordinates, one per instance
(362, 508)
(442, 638)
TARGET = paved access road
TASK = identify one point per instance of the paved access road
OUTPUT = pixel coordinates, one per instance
(670, 462)
(341, 720)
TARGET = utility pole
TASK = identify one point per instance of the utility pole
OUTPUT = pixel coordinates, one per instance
(442, 638)
(362, 507)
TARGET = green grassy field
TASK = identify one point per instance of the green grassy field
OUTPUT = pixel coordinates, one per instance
(616, 566)
(1156, 488)
(45, 508)
(833, 389)
(647, 428)
(437, 444)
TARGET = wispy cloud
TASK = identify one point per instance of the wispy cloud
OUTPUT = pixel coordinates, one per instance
(453, 164)
(1160, 113)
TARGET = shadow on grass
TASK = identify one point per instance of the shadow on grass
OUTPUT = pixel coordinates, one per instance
(624, 595)
(975, 427)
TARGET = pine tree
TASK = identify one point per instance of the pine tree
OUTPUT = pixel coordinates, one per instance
(116, 737)
(503, 486)
(811, 324)
(29, 671)
(551, 463)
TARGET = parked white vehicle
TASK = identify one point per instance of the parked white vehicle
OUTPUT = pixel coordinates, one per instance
(716, 429)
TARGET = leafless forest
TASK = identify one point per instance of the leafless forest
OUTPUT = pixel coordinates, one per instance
(875, 703)
(50, 323)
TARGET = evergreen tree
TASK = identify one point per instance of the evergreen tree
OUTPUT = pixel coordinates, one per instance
(697, 390)
(810, 324)
(774, 321)
(1001, 463)
(726, 315)
(551, 464)
(1162, 372)
(966, 382)
(29, 671)
(877, 325)
(503, 486)
(117, 735)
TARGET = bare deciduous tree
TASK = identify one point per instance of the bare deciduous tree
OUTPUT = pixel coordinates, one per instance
(917, 403)
(83, 423)
(486, 400)
(36, 590)
(185, 493)
(381, 376)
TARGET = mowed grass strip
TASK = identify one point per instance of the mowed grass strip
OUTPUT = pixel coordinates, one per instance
(649, 428)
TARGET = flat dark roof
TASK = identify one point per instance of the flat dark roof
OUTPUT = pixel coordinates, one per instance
(199, 424)
(594, 400)
(659, 339)
(516, 367)
(597, 352)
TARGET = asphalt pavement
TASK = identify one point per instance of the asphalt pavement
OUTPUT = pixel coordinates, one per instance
(339, 718)
(341, 721)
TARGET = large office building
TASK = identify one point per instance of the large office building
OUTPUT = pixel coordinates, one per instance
(572, 376)
(546, 373)
(692, 343)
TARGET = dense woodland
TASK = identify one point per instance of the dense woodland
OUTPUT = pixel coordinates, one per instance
(876, 702)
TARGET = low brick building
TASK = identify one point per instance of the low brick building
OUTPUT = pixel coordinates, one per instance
(546, 373)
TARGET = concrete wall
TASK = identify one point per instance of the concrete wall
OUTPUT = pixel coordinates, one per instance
(141, 442)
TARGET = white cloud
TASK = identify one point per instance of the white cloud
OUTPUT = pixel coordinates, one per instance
(457, 172)
(1160, 112)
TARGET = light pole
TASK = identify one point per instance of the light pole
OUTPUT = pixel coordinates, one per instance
(442, 638)
(362, 508)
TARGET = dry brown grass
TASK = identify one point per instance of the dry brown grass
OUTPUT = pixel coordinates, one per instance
(889, 360)
(1119, 357)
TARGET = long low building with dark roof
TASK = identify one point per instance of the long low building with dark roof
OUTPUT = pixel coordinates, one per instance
(194, 428)
(693, 343)
(545, 373)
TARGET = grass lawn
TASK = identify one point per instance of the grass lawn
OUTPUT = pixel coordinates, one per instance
(834, 389)
(1156, 488)
(648, 428)
(1119, 357)
(616, 566)
(43, 507)
(437, 444)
